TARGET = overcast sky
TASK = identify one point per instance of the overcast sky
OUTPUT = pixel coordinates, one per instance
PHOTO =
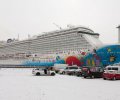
(33, 17)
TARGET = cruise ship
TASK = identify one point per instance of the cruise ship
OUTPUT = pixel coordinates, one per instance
(72, 41)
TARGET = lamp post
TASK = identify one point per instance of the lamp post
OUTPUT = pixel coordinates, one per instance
(118, 34)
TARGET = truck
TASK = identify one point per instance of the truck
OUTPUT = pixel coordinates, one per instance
(112, 72)
(92, 72)
(43, 72)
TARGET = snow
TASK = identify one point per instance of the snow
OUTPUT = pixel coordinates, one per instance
(20, 84)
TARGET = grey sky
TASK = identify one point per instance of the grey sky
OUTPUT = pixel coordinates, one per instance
(32, 17)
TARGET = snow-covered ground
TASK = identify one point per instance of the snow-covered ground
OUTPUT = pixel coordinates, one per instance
(20, 84)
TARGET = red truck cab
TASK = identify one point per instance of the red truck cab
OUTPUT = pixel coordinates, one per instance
(111, 72)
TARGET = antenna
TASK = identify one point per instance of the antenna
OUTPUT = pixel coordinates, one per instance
(57, 26)
(28, 36)
(18, 37)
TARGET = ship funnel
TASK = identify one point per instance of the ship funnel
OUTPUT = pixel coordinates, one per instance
(118, 34)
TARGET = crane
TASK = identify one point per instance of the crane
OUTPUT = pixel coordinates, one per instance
(57, 26)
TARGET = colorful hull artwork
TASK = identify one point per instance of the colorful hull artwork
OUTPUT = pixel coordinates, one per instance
(101, 57)
(72, 60)
(104, 56)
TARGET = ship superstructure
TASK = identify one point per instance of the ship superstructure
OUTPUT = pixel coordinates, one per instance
(76, 38)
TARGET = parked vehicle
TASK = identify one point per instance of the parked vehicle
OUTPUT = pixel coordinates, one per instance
(92, 72)
(112, 72)
(62, 71)
(71, 70)
(78, 72)
(60, 67)
(45, 71)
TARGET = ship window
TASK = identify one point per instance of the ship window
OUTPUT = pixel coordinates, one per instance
(115, 68)
(109, 68)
